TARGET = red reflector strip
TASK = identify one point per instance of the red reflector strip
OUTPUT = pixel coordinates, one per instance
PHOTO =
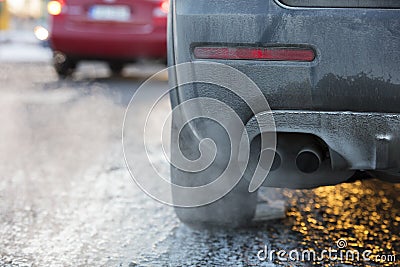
(249, 53)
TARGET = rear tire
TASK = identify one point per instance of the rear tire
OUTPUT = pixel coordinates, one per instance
(116, 68)
(235, 209)
(63, 65)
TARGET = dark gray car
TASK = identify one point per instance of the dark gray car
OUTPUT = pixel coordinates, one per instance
(330, 71)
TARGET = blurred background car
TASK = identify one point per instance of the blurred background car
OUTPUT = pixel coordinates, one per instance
(115, 31)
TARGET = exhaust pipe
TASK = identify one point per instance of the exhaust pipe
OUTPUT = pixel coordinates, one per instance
(266, 156)
(309, 159)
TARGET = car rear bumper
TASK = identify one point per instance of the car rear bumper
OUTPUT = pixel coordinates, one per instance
(115, 46)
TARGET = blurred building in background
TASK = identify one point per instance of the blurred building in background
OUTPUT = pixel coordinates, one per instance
(22, 15)
(4, 15)
(23, 31)
(33, 9)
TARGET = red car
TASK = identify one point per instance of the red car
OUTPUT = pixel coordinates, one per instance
(116, 31)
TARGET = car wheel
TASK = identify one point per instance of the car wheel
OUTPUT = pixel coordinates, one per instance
(116, 68)
(235, 209)
(63, 64)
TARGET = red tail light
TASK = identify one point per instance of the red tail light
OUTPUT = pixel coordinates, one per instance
(55, 7)
(256, 53)
(165, 6)
(162, 10)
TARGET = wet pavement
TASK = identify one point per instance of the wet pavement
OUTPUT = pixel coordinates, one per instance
(66, 197)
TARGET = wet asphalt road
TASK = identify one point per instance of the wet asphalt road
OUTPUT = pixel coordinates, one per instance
(66, 198)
